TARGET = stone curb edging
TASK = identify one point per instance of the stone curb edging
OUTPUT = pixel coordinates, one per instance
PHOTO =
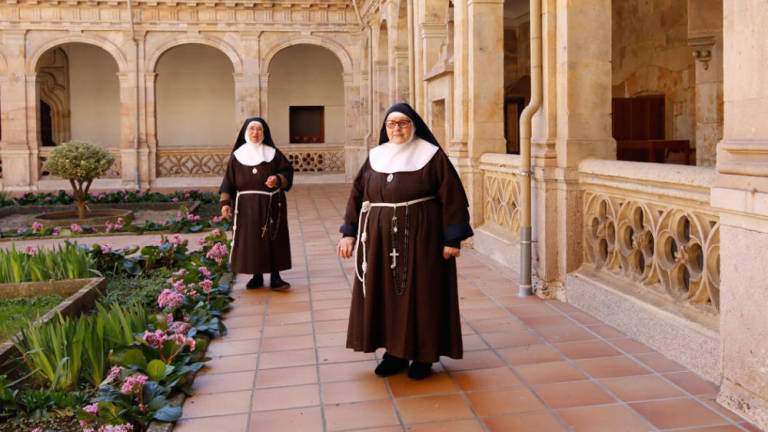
(83, 299)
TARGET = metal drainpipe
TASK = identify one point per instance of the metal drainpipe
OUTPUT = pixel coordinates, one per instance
(138, 97)
(526, 287)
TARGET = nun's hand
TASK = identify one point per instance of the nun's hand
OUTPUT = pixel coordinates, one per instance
(271, 181)
(226, 212)
(451, 252)
(345, 247)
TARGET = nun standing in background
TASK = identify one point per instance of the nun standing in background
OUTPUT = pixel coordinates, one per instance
(253, 191)
(405, 219)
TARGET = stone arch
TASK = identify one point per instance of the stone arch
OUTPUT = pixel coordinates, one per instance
(113, 50)
(224, 47)
(341, 53)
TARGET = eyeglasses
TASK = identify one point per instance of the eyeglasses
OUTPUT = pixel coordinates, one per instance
(402, 124)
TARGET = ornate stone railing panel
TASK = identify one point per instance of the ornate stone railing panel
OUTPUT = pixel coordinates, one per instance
(315, 159)
(501, 191)
(652, 225)
(113, 172)
(186, 162)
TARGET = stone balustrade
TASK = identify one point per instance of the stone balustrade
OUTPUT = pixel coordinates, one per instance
(501, 192)
(195, 162)
(652, 225)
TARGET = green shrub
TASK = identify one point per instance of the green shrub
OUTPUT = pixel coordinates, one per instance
(80, 163)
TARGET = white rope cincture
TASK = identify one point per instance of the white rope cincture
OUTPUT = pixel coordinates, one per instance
(234, 221)
(362, 232)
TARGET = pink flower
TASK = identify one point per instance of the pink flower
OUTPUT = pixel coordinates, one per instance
(21, 230)
(56, 231)
(216, 232)
(180, 327)
(176, 240)
(75, 228)
(92, 409)
(37, 227)
(169, 318)
(170, 299)
(192, 217)
(181, 340)
(30, 250)
(179, 286)
(201, 242)
(105, 249)
(181, 272)
(206, 285)
(154, 339)
(109, 227)
(114, 373)
(217, 253)
(133, 384)
(204, 271)
(120, 223)
(192, 293)
(216, 219)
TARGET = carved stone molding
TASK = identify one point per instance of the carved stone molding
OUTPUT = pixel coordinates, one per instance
(702, 49)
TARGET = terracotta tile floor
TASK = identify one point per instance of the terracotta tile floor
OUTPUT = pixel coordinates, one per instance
(530, 365)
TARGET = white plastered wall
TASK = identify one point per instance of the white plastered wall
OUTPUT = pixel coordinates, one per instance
(195, 98)
(306, 75)
(94, 95)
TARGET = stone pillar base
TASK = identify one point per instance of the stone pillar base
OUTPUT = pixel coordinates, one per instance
(17, 170)
(745, 403)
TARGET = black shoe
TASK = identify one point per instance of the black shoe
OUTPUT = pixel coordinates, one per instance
(419, 370)
(277, 283)
(257, 281)
(390, 365)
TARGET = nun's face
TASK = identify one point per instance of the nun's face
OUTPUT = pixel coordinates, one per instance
(255, 132)
(399, 128)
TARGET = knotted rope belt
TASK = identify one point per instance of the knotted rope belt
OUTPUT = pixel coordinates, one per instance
(266, 222)
(362, 237)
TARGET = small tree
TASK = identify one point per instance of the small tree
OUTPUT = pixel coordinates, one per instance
(80, 163)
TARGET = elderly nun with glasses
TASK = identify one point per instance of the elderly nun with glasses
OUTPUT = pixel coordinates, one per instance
(253, 191)
(405, 219)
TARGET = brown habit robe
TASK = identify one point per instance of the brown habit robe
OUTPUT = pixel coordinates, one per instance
(421, 323)
(258, 251)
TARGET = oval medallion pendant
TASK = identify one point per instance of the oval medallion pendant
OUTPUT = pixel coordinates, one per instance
(254, 170)
(390, 177)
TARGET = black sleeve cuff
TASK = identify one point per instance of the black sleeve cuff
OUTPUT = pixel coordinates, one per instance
(457, 233)
(348, 230)
(454, 244)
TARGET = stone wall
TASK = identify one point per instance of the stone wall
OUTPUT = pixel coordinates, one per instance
(651, 56)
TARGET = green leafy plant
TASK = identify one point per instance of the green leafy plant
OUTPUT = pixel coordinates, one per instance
(66, 261)
(80, 163)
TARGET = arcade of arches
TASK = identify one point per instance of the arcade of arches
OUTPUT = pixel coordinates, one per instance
(650, 159)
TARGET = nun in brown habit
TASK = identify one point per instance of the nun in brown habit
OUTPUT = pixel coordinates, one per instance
(405, 218)
(254, 186)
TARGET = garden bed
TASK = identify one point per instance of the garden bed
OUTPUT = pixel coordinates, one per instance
(136, 369)
(78, 295)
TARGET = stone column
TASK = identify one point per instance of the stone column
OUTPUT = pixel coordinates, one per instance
(577, 114)
(741, 196)
(14, 148)
(354, 146)
(705, 36)
(485, 93)
(248, 83)
(150, 81)
(130, 165)
(402, 79)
